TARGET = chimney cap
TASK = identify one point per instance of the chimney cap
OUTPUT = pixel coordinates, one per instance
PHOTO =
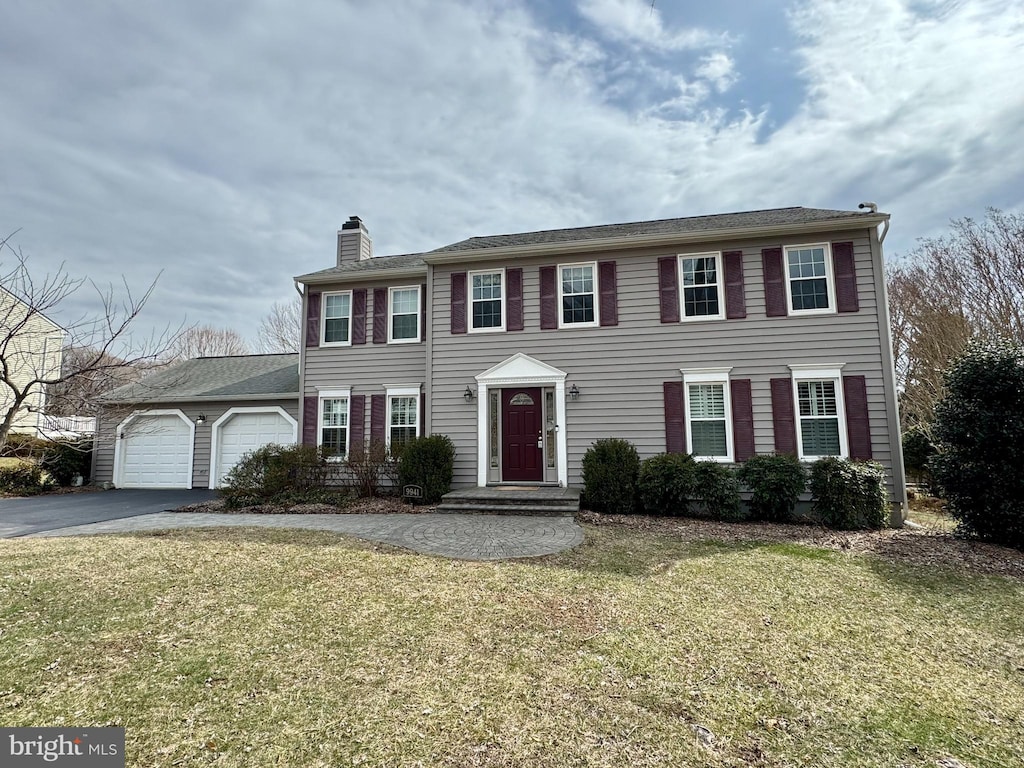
(354, 222)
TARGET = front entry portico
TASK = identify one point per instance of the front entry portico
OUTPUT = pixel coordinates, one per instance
(521, 429)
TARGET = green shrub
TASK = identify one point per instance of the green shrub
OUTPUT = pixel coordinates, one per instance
(63, 460)
(979, 434)
(917, 451)
(428, 462)
(610, 470)
(849, 494)
(775, 483)
(370, 467)
(665, 484)
(276, 473)
(718, 491)
(21, 446)
(24, 480)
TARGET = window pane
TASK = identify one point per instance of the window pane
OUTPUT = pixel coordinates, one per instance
(487, 286)
(338, 305)
(403, 411)
(405, 301)
(405, 326)
(487, 314)
(333, 440)
(809, 294)
(336, 329)
(707, 401)
(335, 412)
(700, 302)
(820, 437)
(708, 438)
(578, 309)
(817, 398)
(702, 271)
(401, 436)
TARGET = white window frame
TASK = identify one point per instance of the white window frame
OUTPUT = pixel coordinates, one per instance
(596, 292)
(719, 286)
(391, 314)
(469, 300)
(814, 372)
(709, 376)
(830, 283)
(334, 394)
(402, 390)
(323, 320)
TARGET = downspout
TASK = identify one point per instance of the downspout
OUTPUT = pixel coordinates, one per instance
(300, 410)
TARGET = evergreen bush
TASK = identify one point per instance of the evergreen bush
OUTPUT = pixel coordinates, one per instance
(610, 470)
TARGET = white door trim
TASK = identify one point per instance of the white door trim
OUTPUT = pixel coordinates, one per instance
(119, 454)
(230, 412)
(521, 370)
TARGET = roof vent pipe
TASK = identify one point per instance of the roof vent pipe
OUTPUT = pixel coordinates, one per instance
(885, 224)
(872, 206)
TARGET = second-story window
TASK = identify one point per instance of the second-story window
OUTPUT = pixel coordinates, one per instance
(485, 296)
(702, 287)
(405, 315)
(337, 318)
(577, 292)
(809, 279)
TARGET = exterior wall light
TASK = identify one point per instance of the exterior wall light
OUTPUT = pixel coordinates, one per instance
(200, 419)
(468, 394)
(574, 392)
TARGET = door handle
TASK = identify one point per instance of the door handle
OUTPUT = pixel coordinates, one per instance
(540, 441)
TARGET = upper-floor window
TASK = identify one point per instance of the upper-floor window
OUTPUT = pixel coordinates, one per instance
(404, 325)
(708, 413)
(821, 419)
(702, 297)
(337, 318)
(486, 301)
(334, 418)
(576, 289)
(809, 281)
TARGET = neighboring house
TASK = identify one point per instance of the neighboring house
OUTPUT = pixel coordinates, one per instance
(724, 336)
(30, 349)
(187, 425)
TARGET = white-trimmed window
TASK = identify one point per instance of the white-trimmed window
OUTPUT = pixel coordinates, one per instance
(403, 415)
(336, 321)
(820, 412)
(810, 285)
(333, 426)
(577, 293)
(404, 308)
(702, 296)
(708, 413)
(486, 301)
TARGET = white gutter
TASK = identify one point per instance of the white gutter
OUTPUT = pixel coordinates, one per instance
(368, 276)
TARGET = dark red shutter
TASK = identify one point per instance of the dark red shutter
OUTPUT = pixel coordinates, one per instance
(608, 287)
(675, 418)
(514, 299)
(357, 423)
(380, 316)
(858, 427)
(846, 277)
(309, 420)
(458, 302)
(422, 420)
(774, 285)
(378, 413)
(783, 417)
(359, 316)
(742, 419)
(423, 312)
(548, 298)
(668, 287)
(313, 319)
(735, 299)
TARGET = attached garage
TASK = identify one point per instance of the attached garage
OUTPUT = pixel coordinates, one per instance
(242, 430)
(154, 450)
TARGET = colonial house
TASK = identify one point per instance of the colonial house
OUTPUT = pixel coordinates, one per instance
(724, 336)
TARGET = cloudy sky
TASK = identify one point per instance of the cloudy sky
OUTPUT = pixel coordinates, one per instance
(226, 143)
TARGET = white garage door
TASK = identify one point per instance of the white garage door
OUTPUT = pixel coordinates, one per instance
(156, 452)
(244, 432)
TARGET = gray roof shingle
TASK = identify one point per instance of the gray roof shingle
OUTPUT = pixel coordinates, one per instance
(369, 266)
(211, 378)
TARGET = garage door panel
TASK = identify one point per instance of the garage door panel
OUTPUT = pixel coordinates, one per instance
(246, 432)
(156, 453)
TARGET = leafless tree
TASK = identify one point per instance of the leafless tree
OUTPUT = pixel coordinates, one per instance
(969, 283)
(106, 340)
(281, 329)
(207, 341)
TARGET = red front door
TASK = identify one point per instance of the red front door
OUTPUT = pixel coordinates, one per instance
(521, 435)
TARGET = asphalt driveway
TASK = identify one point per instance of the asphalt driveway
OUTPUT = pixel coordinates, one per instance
(19, 517)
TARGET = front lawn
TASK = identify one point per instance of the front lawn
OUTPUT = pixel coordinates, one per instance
(262, 647)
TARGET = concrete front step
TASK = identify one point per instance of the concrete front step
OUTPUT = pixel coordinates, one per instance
(514, 500)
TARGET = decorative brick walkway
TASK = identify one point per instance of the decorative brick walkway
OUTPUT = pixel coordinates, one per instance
(463, 537)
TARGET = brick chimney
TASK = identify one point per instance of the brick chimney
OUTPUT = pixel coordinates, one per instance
(354, 242)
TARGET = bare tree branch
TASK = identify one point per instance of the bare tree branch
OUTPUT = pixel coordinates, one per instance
(281, 329)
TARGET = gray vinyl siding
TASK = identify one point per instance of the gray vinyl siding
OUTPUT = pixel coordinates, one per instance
(366, 368)
(620, 370)
(103, 457)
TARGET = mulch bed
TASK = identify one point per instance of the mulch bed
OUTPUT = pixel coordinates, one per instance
(916, 546)
(382, 505)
